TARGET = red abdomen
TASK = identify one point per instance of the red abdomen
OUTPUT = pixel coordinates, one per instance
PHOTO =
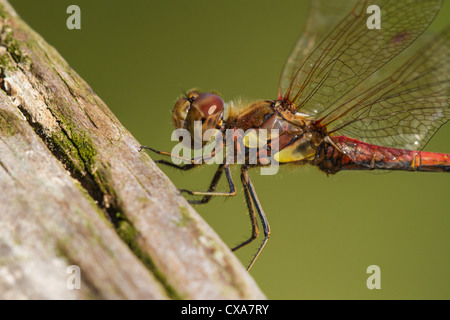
(358, 155)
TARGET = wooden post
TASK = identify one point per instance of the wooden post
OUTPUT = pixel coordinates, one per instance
(75, 190)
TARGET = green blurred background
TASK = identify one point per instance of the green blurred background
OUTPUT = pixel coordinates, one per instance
(139, 56)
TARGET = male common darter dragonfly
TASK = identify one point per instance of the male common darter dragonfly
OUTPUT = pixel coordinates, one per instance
(342, 103)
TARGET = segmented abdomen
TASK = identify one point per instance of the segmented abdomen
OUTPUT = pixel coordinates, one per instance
(353, 154)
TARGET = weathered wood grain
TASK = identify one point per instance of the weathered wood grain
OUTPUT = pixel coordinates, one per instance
(75, 190)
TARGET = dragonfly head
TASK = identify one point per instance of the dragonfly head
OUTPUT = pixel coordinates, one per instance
(196, 106)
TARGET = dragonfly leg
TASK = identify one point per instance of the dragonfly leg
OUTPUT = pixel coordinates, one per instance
(212, 187)
(265, 224)
(193, 161)
(248, 200)
(184, 167)
(211, 190)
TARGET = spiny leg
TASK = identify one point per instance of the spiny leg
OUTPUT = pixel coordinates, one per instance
(193, 164)
(255, 231)
(194, 161)
(211, 193)
(184, 167)
(249, 191)
(212, 187)
(262, 216)
(168, 154)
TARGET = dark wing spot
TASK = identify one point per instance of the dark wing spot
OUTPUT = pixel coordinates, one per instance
(400, 37)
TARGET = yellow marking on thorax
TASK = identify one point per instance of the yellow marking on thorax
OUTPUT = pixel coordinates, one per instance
(297, 151)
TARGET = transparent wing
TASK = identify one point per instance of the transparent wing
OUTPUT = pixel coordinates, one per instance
(351, 52)
(405, 109)
(322, 16)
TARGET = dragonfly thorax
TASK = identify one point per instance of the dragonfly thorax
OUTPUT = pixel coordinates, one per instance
(297, 134)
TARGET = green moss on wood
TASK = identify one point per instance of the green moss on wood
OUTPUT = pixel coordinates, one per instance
(130, 235)
(67, 153)
(186, 218)
(6, 62)
(73, 146)
(3, 13)
(15, 47)
(7, 123)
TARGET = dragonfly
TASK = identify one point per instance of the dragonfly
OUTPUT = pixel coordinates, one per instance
(344, 102)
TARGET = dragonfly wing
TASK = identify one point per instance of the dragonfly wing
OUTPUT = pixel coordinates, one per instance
(322, 16)
(351, 52)
(405, 109)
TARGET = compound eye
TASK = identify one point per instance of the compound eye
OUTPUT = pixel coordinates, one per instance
(180, 112)
(208, 104)
(182, 106)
